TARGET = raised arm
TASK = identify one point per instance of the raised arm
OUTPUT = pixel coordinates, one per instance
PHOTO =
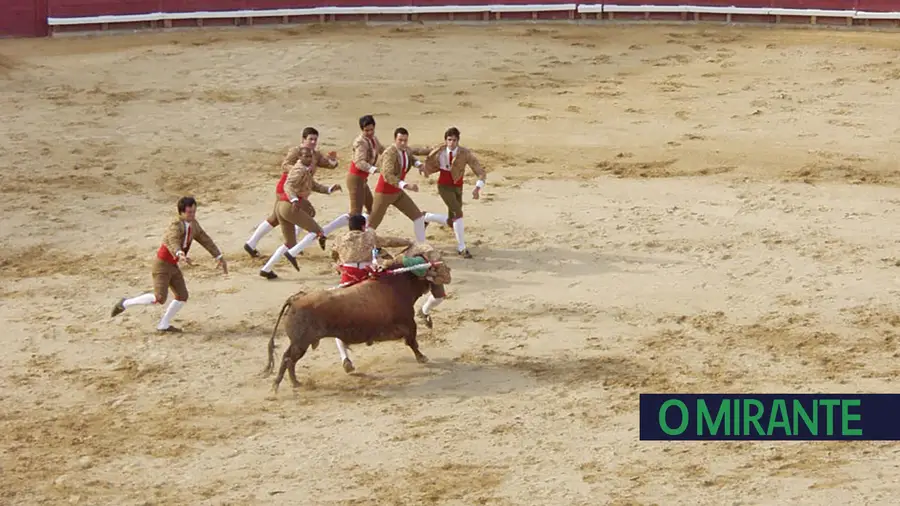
(433, 161)
(324, 162)
(419, 150)
(320, 188)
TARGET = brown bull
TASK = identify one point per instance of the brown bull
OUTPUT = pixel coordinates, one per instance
(368, 312)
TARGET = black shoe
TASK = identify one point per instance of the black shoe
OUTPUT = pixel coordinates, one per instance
(292, 260)
(426, 318)
(464, 253)
(169, 329)
(251, 251)
(322, 240)
(118, 308)
(268, 275)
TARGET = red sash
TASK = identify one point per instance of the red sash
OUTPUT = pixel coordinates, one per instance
(446, 177)
(382, 186)
(356, 170)
(279, 188)
(353, 274)
(165, 255)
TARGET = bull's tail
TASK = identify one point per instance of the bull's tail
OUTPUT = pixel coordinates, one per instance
(269, 368)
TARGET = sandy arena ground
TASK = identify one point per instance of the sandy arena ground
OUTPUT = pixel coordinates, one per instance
(668, 209)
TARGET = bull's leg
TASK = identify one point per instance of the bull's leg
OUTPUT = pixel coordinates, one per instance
(345, 357)
(289, 364)
(410, 337)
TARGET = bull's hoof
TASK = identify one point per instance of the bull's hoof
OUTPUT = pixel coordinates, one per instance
(268, 275)
(348, 366)
(422, 359)
(253, 252)
(292, 260)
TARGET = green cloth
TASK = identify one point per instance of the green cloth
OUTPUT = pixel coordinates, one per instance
(411, 261)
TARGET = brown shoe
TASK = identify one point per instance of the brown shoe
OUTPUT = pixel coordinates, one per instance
(169, 329)
(118, 308)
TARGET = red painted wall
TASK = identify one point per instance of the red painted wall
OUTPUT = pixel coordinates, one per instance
(878, 5)
(23, 18)
(28, 17)
(830, 5)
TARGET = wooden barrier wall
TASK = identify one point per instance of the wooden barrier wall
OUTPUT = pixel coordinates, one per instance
(43, 17)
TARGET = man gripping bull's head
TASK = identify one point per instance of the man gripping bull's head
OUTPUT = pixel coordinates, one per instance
(437, 275)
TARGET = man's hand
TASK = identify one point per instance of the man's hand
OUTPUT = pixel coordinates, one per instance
(183, 256)
(476, 192)
(413, 187)
(334, 188)
(221, 263)
(296, 206)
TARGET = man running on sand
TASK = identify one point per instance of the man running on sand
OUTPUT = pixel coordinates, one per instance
(451, 159)
(292, 213)
(310, 140)
(176, 244)
(390, 188)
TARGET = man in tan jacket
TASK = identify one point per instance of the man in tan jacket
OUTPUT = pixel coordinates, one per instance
(396, 161)
(176, 244)
(354, 253)
(292, 210)
(310, 140)
(451, 159)
(366, 150)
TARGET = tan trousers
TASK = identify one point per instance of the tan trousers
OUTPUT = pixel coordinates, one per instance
(307, 206)
(452, 196)
(400, 200)
(360, 194)
(166, 275)
(288, 217)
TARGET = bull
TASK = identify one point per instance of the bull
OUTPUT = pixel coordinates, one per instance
(376, 310)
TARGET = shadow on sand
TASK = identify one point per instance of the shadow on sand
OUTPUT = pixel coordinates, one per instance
(488, 375)
(557, 261)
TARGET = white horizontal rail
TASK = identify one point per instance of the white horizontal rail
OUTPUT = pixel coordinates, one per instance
(440, 9)
(877, 15)
(759, 11)
(311, 11)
